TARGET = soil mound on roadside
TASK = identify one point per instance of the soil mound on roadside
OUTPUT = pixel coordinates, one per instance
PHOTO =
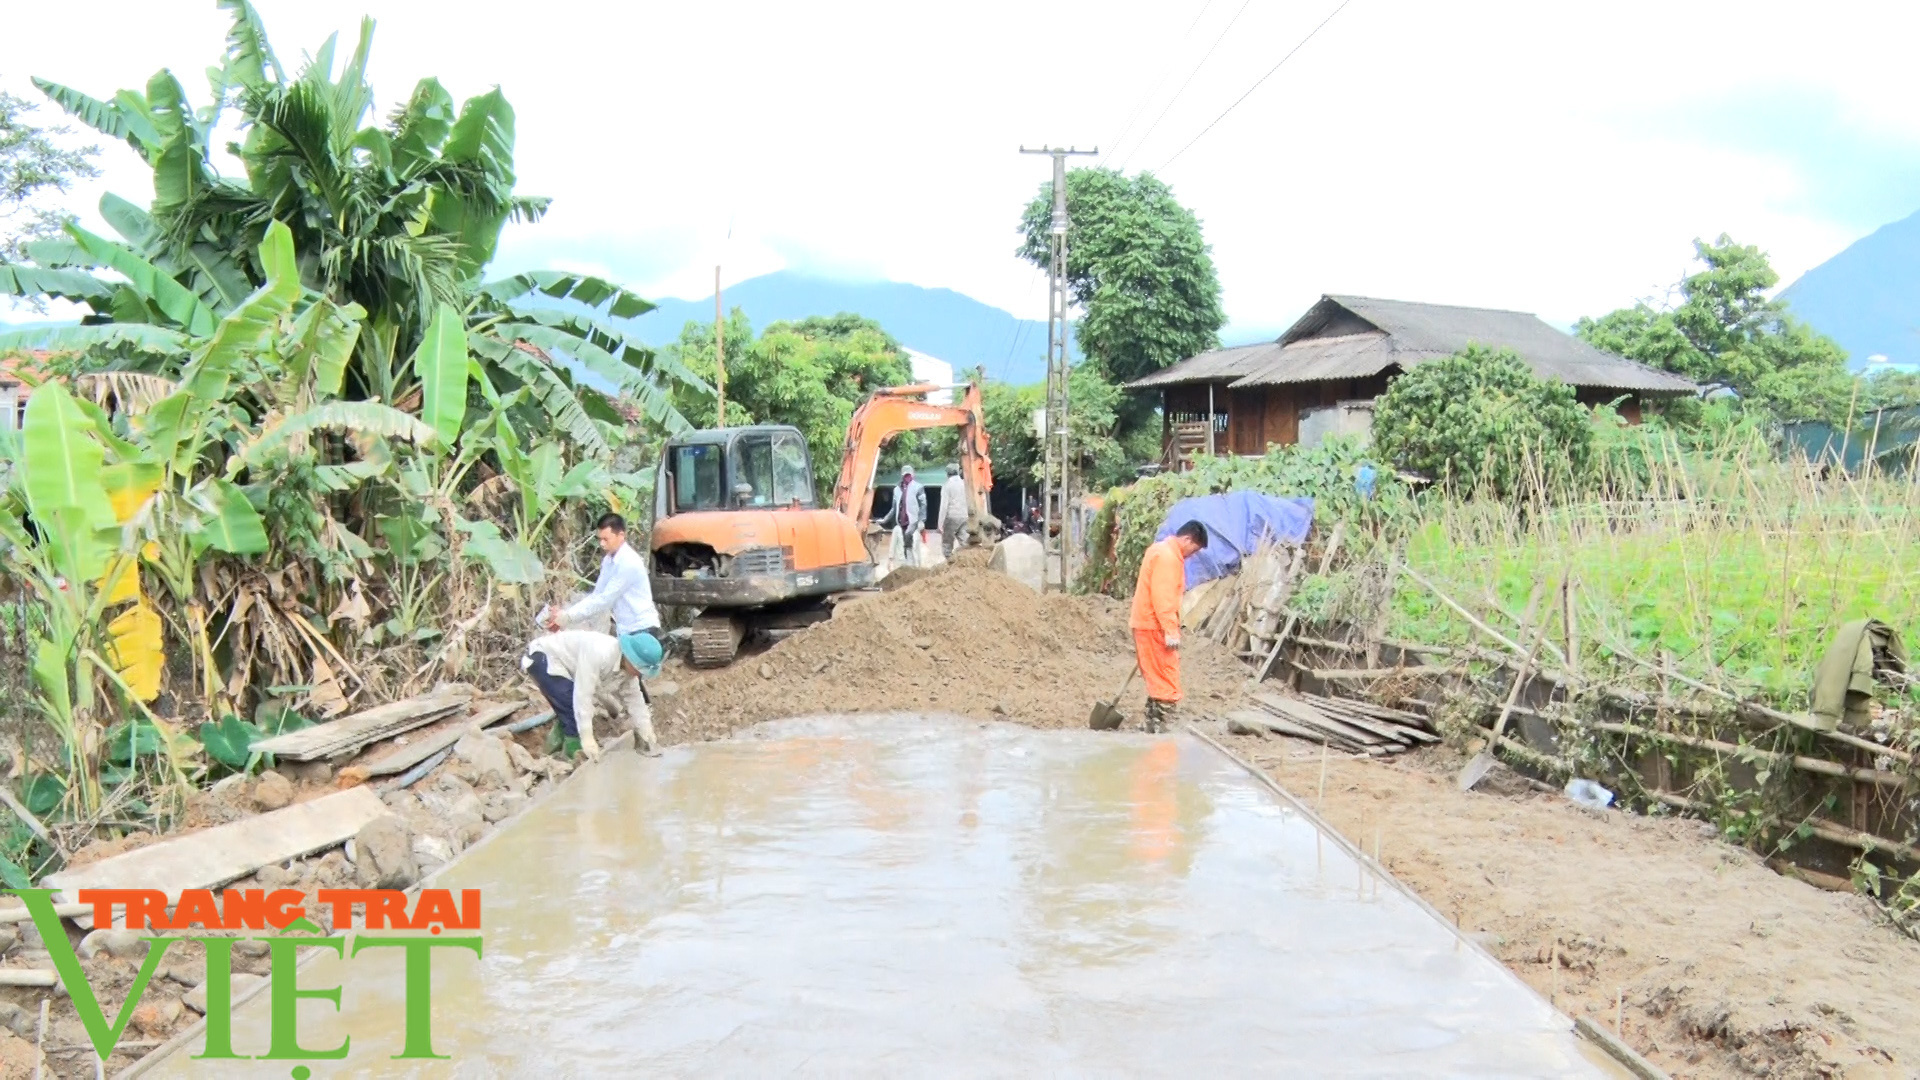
(963, 640)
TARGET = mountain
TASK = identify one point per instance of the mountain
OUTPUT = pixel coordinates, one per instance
(1867, 298)
(940, 322)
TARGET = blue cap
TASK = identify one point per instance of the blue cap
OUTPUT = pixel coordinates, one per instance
(642, 651)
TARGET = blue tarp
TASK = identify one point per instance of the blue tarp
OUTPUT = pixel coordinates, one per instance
(1236, 522)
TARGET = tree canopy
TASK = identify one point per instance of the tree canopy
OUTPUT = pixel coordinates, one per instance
(1727, 334)
(811, 374)
(1138, 267)
(33, 165)
(393, 222)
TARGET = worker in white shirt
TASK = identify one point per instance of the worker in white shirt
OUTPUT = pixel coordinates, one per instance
(622, 588)
(953, 510)
(582, 672)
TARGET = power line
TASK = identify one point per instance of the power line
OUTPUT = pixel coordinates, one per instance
(1166, 69)
(1183, 86)
(1236, 101)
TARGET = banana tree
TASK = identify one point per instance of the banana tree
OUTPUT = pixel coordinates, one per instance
(400, 220)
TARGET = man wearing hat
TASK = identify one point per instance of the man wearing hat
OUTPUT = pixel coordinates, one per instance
(910, 513)
(581, 672)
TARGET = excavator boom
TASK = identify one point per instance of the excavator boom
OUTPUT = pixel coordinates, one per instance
(893, 410)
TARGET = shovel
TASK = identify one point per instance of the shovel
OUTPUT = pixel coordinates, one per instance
(1105, 717)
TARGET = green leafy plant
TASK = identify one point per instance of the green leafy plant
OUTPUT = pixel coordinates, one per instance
(1481, 418)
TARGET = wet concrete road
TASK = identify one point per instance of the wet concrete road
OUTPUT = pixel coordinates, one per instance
(913, 896)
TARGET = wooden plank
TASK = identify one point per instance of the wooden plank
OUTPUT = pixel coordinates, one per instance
(1302, 713)
(422, 747)
(1286, 727)
(213, 857)
(325, 740)
(1379, 712)
(1340, 710)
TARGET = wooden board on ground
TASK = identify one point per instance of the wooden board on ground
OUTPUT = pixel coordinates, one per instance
(352, 732)
(1252, 718)
(1379, 712)
(424, 744)
(213, 857)
(1337, 709)
(1302, 713)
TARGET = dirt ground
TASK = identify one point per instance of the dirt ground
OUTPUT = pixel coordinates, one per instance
(1721, 967)
(964, 640)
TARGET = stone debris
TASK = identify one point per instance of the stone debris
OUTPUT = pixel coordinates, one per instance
(125, 944)
(272, 791)
(1022, 558)
(385, 855)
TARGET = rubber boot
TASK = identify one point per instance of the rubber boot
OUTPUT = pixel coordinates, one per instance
(554, 738)
(570, 748)
(1159, 716)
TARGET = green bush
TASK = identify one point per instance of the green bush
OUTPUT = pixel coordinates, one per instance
(1481, 419)
(1325, 473)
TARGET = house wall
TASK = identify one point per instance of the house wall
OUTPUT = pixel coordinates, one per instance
(1629, 402)
(1248, 421)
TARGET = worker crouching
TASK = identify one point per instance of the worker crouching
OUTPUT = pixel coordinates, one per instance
(581, 671)
(1155, 619)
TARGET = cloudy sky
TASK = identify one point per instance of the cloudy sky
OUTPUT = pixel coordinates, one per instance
(1554, 157)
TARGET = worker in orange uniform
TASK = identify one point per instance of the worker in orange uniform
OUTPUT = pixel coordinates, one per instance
(1156, 619)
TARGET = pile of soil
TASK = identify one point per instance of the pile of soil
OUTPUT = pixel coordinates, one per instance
(1714, 965)
(963, 640)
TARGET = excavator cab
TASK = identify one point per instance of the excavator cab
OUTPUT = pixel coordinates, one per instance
(753, 468)
(739, 533)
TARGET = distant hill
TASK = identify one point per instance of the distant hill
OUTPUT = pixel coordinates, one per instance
(940, 322)
(1867, 298)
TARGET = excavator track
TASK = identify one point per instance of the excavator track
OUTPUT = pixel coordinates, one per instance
(716, 640)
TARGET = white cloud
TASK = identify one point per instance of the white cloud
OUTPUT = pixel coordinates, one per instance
(1552, 157)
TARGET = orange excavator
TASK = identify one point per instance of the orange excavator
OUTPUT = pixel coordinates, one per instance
(738, 533)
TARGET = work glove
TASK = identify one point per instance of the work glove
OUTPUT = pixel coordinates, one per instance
(1173, 641)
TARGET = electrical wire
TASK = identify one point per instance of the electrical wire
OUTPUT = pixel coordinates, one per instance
(1166, 69)
(1189, 82)
(1236, 101)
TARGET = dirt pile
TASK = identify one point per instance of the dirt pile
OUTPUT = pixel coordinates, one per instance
(963, 640)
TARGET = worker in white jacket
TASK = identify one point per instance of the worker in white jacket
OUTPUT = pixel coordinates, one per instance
(908, 514)
(584, 672)
(953, 510)
(623, 589)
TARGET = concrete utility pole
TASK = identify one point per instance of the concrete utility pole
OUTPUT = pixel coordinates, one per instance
(1058, 481)
(719, 356)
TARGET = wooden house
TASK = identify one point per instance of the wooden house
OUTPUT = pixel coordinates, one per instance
(1322, 375)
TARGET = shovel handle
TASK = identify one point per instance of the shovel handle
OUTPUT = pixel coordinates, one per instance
(1128, 682)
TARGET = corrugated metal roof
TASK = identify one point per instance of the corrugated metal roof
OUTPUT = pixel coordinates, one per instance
(1216, 366)
(1407, 335)
(1347, 356)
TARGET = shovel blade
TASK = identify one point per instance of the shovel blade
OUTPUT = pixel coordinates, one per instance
(1105, 717)
(1476, 770)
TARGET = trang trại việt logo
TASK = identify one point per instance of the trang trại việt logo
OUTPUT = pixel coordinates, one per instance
(282, 910)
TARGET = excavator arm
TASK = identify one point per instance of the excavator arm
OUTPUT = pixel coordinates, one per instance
(893, 410)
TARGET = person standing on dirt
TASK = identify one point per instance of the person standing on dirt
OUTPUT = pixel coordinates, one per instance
(1155, 619)
(953, 511)
(909, 513)
(580, 672)
(622, 589)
